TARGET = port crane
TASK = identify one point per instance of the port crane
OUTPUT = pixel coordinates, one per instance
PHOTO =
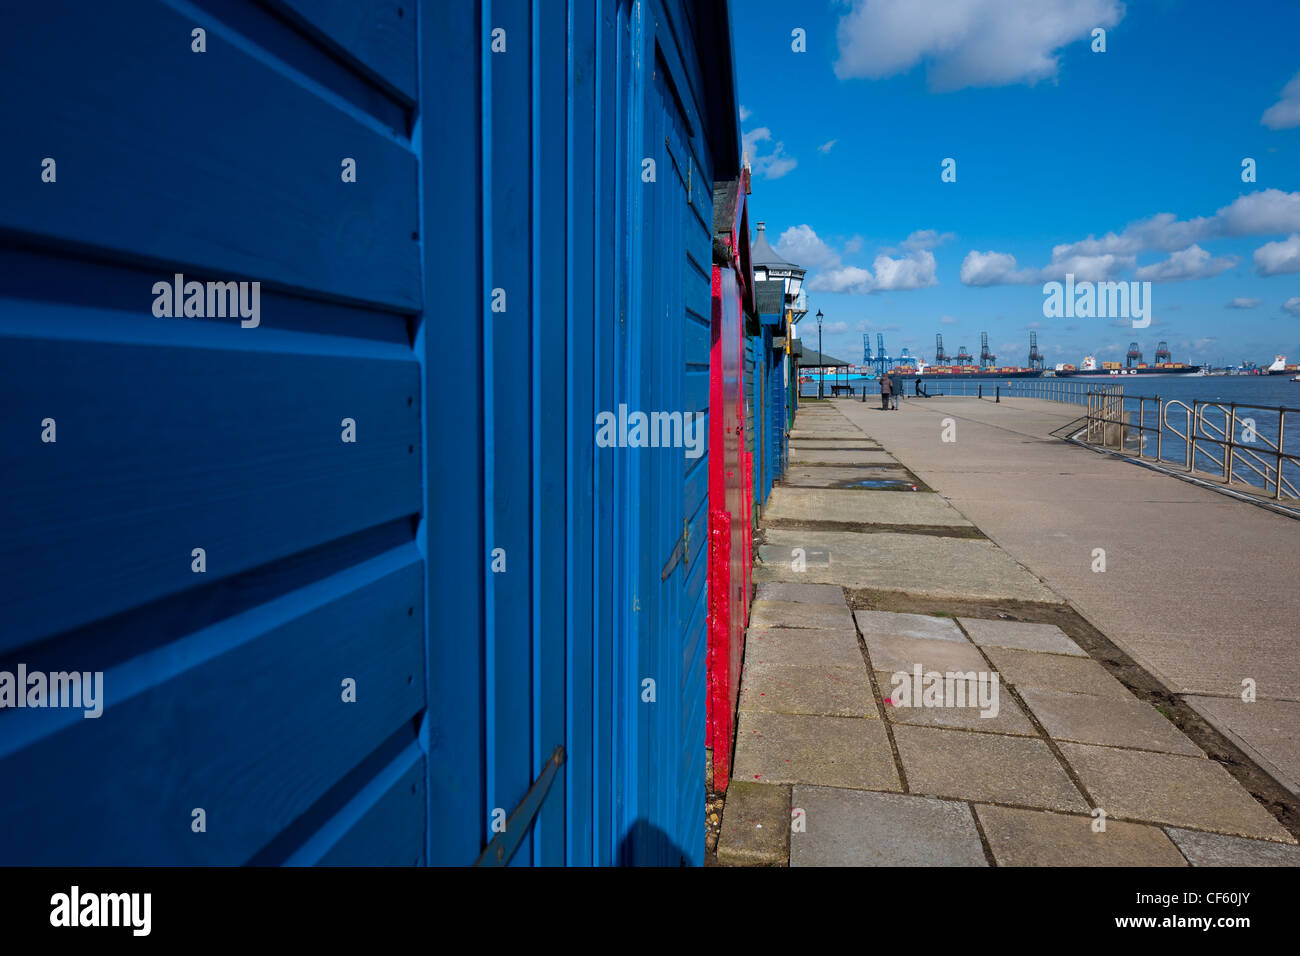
(1134, 355)
(940, 356)
(882, 358)
(1036, 359)
(963, 356)
(986, 357)
(1162, 352)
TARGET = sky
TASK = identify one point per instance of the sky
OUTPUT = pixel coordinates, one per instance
(1122, 165)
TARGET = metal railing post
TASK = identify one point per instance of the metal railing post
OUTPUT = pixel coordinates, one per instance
(1229, 451)
(1160, 428)
(1281, 439)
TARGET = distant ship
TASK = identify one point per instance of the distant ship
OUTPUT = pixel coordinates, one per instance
(1279, 367)
(1091, 369)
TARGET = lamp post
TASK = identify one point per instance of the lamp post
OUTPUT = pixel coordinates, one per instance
(821, 368)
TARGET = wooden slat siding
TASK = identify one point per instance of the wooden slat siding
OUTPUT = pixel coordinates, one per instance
(254, 735)
(582, 603)
(377, 36)
(451, 52)
(235, 190)
(391, 832)
(238, 453)
(552, 389)
(507, 387)
(612, 607)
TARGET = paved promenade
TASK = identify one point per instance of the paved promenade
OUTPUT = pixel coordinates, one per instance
(872, 585)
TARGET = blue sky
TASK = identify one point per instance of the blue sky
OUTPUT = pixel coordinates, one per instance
(1122, 165)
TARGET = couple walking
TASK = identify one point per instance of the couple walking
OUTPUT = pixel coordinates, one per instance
(888, 392)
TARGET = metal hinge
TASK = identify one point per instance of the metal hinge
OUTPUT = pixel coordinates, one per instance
(502, 846)
(681, 551)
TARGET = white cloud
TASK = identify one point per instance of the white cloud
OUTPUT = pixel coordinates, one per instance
(914, 268)
(851, 279)
(771, 165)
(1266, 212)
(1292, 305)
(1190, 263)
(744, 113)
(1279, 258)
(966, 42)
(916, 271)
(948, 320)
(826, 146)
(1285, 113)
(994, 268)
(802, 246)
(1241, 302)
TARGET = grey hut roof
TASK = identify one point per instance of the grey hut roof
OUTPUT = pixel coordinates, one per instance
(769, 297)
(761, 253)
(811, 358)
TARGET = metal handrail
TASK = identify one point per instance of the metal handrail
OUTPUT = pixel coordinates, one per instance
(1198, 430)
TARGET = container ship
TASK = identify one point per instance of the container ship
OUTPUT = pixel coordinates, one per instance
(922, 370)
(1092, 369)
(1279, 367)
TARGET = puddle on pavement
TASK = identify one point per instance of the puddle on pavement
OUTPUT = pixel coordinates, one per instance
(882, 484)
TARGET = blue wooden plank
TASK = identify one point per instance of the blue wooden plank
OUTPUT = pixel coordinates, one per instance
(614, 596)
(162, 450)
(244, 719)
(582, 600)
(550, 382)
(377, 37)
(507, 383)
(451, 49)
(391, 830)
(241, 194)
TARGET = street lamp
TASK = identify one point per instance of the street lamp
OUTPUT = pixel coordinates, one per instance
(821, 360)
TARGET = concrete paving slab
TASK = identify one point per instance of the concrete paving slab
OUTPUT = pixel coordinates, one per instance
(862, 506)
(1010, 719)
(860, 443)
(883, 477)
(832, 456)
(1106, 721)
(893, 654)
(826, 433)
(1041, 838)
(1265, 729)
(1218, 849)
(986, 767)
(860, 828)
(924, 565)
(1185, 564)
(926, 626)
(1171, 789)
(801, 593)
(755, 825)
(826, 751)
(1045, 638)
(795, 614)
(798, 645)
(1056, 672)
(834, 690)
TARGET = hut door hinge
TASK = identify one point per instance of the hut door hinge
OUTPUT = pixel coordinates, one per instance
(502, 847)
(681, 551)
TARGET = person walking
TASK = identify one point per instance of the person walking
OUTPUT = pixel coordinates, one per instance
(886, 387)
(895, 386)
